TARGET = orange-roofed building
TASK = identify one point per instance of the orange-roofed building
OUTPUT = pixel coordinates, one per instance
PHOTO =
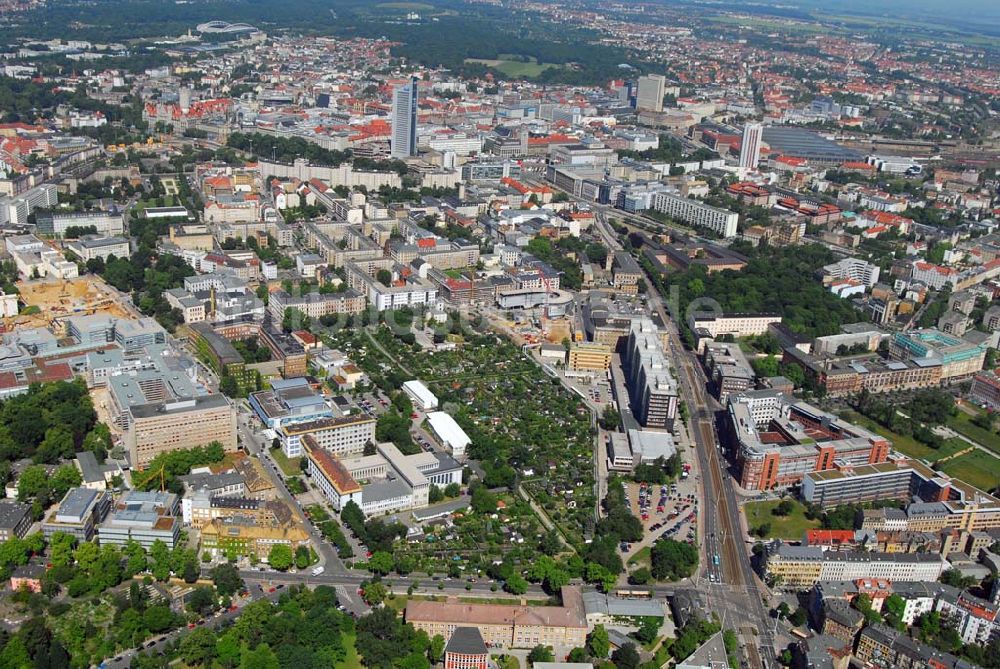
(750, 193)
(831, 539)
(857, 166)
(331, 475)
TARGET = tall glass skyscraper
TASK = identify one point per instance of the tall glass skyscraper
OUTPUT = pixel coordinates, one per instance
(404, 120)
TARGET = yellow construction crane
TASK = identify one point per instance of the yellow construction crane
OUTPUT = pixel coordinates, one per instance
(162, 474)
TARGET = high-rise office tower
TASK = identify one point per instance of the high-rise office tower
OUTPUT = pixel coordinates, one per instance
(404, 120)
(750, 146)
(652, 88)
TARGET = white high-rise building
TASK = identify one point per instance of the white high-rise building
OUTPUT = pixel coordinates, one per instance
(404, 120)
(750, 146)
(652, 88)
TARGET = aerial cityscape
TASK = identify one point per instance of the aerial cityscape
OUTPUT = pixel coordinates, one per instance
(499, 334)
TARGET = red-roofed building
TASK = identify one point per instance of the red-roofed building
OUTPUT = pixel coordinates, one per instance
(750, 193)
(790, 162)
(858, 166)
(831, 539)
(331, 475)
(932, 275)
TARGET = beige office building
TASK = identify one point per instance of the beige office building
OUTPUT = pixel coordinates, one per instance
(651, 91)
(507, 626)
(589, 357)
(168, 426)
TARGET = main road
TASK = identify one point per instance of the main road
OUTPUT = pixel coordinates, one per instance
(727, 559)
(732, 588)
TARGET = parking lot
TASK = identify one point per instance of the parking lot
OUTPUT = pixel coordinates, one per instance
(669, 511)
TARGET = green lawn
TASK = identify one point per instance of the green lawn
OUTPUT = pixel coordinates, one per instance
(353, 660)
(792, 526)
(976, 468)
(290, 466)
(907, 445)
(514, 68)
(641, 558)
(962, 423)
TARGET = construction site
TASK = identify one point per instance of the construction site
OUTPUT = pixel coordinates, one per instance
(46, 301)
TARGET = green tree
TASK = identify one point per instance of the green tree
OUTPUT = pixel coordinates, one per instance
(57, 445)
(191, 571)
(626, 657)
(598, 643)
(436, 650)
(228, 386)
(280, 557)
(201, 600)
(198, 647)
(783, 508)
(302, 557)
(261, 657)
(380, 562)
(540, 654)
(673, 560)
(648, 630)
(158, 618)
(374, 593)
(33, 481)
(893, 609)
(227, 580)
(516, 585)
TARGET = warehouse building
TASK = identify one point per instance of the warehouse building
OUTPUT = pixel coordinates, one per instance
(451, 434)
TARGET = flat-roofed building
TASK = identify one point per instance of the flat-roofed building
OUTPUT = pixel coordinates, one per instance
(506, 626)
(90, 247)
(186, 423)
(451, 434)
(143, 517)
(408, 470)
(285, 348)
(693, 212)
(728, 368)
(289, 401)
(736, 325)
(780, 440)
(864, 483)
(15, 520)
(652, 389)
(985, 390)
(221, 355)
(342, 436)
(103, 222)
(589, 357)
(626, 273)
(422, 397)
(959, 359)
(79, 513)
